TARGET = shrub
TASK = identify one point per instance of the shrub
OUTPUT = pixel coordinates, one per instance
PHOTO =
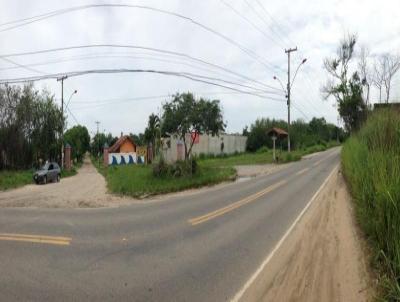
(263, 149)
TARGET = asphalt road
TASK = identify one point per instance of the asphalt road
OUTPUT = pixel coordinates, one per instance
(191, 247)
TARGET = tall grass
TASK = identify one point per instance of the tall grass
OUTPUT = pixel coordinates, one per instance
(371, 164)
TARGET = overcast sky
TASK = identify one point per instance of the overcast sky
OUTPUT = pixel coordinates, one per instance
(122, 103)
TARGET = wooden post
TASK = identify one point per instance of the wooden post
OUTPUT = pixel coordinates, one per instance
(273, 141)
(105, 155)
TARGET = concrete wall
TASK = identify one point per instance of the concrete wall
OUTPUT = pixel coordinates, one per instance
(125, 158)
(208, 144)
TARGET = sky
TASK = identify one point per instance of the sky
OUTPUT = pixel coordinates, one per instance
(246, 39)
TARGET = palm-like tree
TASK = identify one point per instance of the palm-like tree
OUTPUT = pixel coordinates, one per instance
(152, 133)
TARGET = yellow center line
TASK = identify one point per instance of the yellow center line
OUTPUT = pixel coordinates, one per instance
(36, 238)
(302, 171)
(235, 205)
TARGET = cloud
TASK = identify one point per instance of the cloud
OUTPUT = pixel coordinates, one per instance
(314, 26)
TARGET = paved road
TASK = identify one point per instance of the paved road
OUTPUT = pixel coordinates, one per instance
(194, 247)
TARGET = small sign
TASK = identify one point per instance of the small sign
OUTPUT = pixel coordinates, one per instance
(195, 137)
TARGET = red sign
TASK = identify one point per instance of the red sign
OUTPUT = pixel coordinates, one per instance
(195, 137)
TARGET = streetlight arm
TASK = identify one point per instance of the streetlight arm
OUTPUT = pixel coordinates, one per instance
(280, 82)
(295, 74)
(69, 100)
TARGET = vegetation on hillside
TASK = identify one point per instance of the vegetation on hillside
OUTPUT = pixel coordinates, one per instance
(371, 165)
(302, 134)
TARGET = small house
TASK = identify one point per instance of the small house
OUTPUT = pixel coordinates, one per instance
(124, 152)
(124, 144)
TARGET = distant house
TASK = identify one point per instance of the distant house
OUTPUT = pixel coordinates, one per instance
(124, 144)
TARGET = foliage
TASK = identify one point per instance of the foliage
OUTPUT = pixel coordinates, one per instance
(371, 165)
(345, 88)
(139, 181)
(302, 134)
(139, 139)
(30, 127)
(185, 115)
(15, 179)
(178, 169)
(79, 140)
(152, 132)
(99, 140)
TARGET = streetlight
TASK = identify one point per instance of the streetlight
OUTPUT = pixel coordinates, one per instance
(69, 100)
(287, 92)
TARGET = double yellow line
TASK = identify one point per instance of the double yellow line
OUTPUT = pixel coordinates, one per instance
(235, 205)
(36, 238)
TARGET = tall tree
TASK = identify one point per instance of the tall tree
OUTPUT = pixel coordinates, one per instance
(386, 66)
(79, 139)
(185, 115)
(152, 132)
(344, 86)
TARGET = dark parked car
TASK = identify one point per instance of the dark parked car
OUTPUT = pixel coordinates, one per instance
(49, 172)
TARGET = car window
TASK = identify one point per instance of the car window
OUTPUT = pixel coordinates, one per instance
(55, 166)
(51, 167)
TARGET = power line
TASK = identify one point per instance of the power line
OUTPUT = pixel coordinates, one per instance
(190, 76)
(51, 14)
(250, 22)
(158, 50)
(22, 66)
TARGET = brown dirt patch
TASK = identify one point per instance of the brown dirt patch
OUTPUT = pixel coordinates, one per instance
(322, 259)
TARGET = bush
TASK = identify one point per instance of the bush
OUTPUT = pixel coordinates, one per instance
(263, 149)
(371, 165)
(181, 168)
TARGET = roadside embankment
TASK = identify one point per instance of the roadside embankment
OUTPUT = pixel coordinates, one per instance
(371, 165)
(321, 259)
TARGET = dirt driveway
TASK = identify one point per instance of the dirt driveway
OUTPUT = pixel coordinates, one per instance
(86, 189)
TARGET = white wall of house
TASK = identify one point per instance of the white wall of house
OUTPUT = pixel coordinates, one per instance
(208, 144)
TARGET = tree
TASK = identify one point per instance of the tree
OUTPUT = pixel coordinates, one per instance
(30, 127)
(152, 133)
(345, 88)
(139, 139)
(185, 115)
(365, 72)
(386, 66)
(79, 139)
(99, 140)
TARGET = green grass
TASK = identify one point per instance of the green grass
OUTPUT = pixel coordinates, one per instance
(263, 156)
(15, 179)
(138, 180)
(10, 179)
(371, 165)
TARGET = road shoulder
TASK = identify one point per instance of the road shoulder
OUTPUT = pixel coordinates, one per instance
(322, 259)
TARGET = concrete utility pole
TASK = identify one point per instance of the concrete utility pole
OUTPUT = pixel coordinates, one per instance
(288, 51)
(62, 113)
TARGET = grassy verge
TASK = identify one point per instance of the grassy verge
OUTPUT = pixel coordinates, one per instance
(371, 165)
(15, 179)
(139, 181)
(263, 156)
(19, 178)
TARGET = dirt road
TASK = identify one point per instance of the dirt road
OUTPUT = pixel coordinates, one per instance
(322, 259)
(86, 189)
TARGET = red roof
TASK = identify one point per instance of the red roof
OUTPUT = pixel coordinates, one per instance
(278, 132)
(119, 142)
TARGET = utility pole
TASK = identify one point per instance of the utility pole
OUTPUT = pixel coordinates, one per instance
(288, 51)
(62, 117)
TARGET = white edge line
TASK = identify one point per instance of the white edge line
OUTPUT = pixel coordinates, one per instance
(239, 294)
